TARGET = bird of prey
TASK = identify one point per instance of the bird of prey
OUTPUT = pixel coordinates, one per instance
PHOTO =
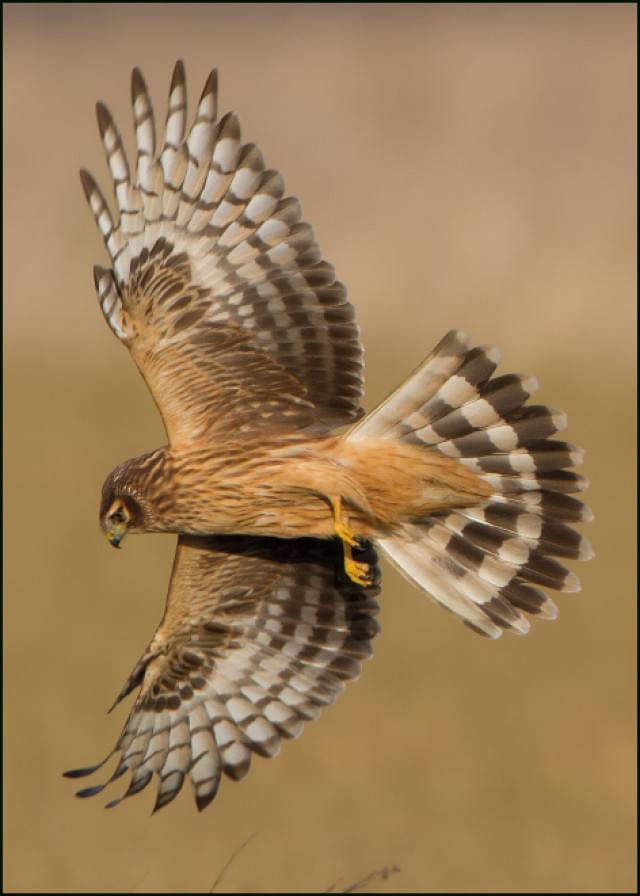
(251, 351)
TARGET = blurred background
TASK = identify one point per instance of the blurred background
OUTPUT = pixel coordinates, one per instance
(468, 166)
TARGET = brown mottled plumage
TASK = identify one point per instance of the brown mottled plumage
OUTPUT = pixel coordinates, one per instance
(251, 351)
(282, 487)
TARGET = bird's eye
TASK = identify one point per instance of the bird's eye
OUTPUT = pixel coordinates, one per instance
(118, 517)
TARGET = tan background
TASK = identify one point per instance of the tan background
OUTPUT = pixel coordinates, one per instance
(462, 166)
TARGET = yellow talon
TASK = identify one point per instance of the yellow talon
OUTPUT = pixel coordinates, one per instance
(360, 573)
(344, 533)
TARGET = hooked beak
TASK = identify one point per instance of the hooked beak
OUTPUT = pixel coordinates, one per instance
(114, 538)
(115, 531)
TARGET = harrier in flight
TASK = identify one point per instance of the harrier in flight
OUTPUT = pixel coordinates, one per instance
(251, 351)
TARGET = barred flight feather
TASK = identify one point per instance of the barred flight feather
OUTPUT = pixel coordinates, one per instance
(242, 667)
(207, 224)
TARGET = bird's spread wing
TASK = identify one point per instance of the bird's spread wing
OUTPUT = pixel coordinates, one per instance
(258, 635)
(218, 287)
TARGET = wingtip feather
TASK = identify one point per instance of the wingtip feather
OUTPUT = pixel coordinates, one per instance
(88, 183)
(138, 84)
(104, 117)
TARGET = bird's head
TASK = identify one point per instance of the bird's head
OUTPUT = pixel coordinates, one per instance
(116, 521)
(120, 512)
(128, 503)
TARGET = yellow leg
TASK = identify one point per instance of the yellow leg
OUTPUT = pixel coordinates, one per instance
(360, 573)
(340, 527)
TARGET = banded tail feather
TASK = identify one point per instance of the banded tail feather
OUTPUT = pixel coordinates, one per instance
(488, 562)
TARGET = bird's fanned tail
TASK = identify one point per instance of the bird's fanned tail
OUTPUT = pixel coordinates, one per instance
(487, 562)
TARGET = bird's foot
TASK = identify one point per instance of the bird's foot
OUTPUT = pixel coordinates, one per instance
(360, 573)
(345, 534)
